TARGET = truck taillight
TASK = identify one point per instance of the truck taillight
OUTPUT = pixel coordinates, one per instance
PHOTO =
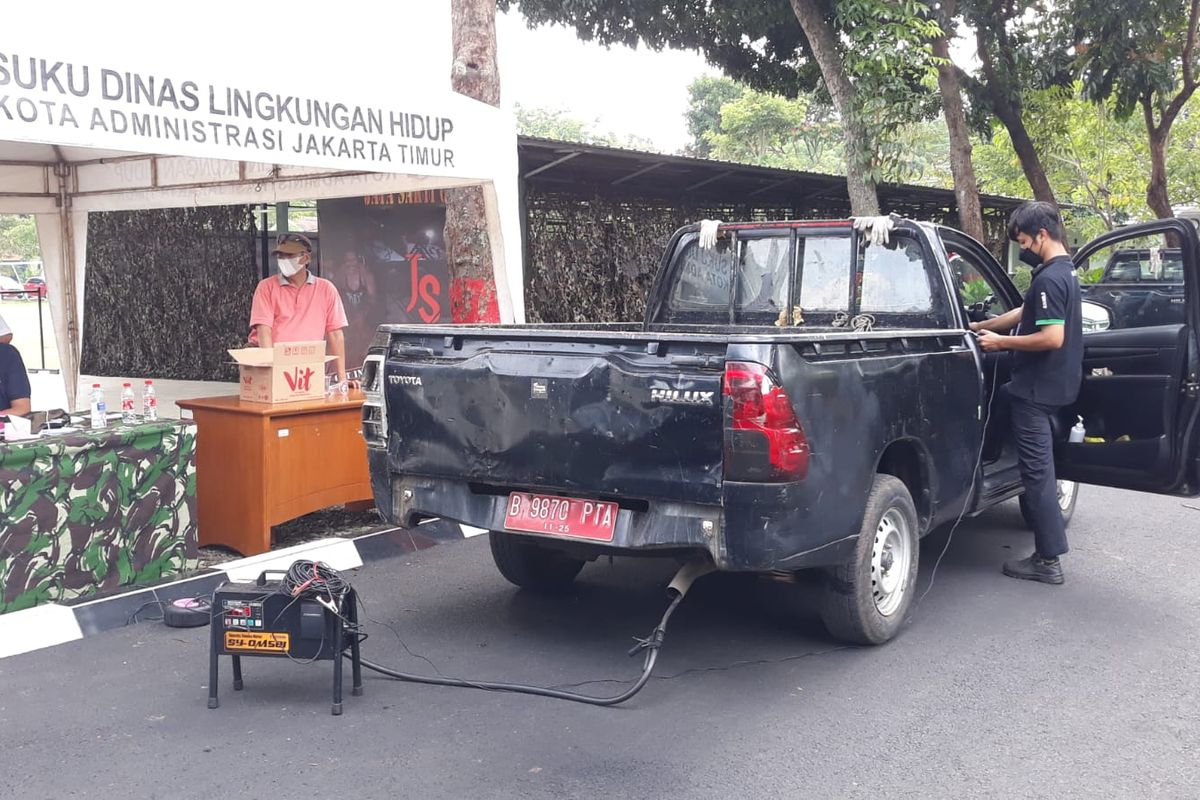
(374, 408)
(763, 439)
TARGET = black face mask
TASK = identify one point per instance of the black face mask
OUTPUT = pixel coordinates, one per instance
(1029, 257)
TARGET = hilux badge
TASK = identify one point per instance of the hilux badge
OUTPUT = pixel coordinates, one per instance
(682, 397)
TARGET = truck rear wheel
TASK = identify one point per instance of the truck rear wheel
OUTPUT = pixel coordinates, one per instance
(866, 598)
(530, 566)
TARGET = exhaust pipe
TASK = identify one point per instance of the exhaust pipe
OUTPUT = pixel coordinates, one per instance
(686, 576)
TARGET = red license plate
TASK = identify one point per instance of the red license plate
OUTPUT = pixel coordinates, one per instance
(561, 516)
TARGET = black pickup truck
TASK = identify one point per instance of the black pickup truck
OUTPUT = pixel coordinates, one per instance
(1139, 287)
(797, 398)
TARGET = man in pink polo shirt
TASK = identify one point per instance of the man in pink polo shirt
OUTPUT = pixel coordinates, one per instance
(297, 306)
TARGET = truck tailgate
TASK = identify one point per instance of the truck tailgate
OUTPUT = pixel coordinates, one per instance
(618, 418)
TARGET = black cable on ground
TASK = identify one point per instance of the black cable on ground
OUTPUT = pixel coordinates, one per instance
(970, 495)
(134, 617)
(650, 644)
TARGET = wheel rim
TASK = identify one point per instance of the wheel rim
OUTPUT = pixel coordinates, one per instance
(891, 557)
(1066, 493)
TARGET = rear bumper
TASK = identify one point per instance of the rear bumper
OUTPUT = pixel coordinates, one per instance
(744, 537)
(663, 527)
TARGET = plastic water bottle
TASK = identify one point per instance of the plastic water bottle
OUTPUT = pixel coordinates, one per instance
(1077, 431)
(98, 407)
(149, 402)
(128, 416)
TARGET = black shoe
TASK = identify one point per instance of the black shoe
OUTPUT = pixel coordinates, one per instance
(1035, 568)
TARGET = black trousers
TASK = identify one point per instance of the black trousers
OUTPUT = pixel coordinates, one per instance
(1030, 423)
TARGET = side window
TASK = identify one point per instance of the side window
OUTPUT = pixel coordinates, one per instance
(895, 286)
(824, 274)
(1134, 283)
(1144, 265)
(763, 280)
(976, 288)
(699, 291)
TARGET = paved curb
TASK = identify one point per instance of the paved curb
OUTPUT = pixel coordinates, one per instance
(51, 624)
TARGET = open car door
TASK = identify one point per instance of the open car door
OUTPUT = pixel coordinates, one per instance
(1140, 397)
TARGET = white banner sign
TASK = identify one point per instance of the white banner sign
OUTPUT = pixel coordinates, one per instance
(49, 98)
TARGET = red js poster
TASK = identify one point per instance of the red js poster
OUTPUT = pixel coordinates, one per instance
(386, 254)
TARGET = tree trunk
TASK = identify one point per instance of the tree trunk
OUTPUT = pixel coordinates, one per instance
(1159, 133)
(1156, 191)
(1031, 163)
(1009, 114)
(474, 72)
(966, 187)
(822, 40)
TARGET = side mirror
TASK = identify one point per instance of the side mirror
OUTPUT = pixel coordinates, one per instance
(1095, 317)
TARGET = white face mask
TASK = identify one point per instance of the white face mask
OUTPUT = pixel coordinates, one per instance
(289, 266)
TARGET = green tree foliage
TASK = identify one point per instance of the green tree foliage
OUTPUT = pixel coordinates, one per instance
(878, 44)
(1095, 160)
(889, 55)
(1143, 55)
(804, 134)
(773, 131)
(559, 124)
(1022, 278)
(1018, 54)
(18, 238)
(706, 96)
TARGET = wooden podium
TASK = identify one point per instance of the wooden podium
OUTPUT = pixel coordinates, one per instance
(260, 464)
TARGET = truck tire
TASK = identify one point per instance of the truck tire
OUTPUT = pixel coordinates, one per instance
(1068, 493)
(866, 598)
(530, 566)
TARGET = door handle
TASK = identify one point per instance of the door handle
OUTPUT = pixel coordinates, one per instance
(696, 361)
(412, 350)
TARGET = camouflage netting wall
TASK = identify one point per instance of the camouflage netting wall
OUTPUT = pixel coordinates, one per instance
(591, 257)
(168, 291)
(91, 511)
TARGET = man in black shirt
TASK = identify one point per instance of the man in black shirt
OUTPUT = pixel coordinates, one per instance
(1047, 367)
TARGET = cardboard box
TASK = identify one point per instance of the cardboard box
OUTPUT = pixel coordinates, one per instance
(282, 374)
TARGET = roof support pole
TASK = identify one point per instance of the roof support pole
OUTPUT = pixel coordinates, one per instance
(68, 350)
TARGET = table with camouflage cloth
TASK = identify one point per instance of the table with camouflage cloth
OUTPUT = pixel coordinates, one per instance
(92, 510)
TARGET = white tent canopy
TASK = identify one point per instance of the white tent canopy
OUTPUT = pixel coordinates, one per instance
(96, 118)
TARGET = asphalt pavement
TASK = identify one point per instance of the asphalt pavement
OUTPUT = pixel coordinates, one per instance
(997, 687)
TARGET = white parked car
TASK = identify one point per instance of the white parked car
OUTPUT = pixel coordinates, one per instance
(11, 288)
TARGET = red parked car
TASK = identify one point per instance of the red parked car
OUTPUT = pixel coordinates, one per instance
(35, 287)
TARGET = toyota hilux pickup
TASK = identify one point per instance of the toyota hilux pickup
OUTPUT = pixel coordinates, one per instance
(1140, 287)
(801, 396)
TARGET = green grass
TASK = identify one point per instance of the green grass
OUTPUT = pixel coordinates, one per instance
(22, 317)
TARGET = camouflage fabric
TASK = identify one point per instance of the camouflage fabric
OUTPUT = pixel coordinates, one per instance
(89, 511)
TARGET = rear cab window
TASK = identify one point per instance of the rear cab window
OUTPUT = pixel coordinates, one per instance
(798, 277)
(699, 288)
(763, 280)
